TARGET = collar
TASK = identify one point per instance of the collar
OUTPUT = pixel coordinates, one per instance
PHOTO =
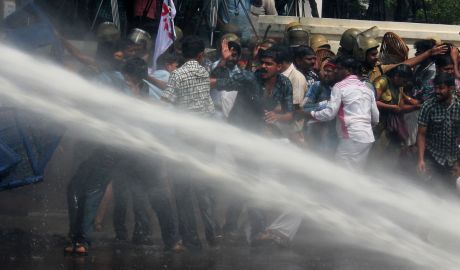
(289, 70)
(351, 77)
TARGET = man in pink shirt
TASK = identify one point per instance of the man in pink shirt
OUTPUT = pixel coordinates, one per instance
(353, 104)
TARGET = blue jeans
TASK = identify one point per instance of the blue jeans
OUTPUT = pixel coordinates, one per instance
(85, 192)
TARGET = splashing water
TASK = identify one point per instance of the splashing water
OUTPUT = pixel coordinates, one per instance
(387, 216)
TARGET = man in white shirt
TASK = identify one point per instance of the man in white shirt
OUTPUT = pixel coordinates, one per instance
(354, 105)
(299, 87)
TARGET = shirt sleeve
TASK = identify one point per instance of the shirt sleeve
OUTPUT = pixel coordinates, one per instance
(375, 114)
(288, 99)
(270, 8)
(299, 87)
(423, 117)
(310, 99)
(170, 93)
(332, 107)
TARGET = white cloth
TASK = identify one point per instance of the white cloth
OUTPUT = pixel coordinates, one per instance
(166, 33)
(287, 224)
(353, 102)
(352, 154)
(411, 120)
(226, 98)
(268, 7)
(299, 83)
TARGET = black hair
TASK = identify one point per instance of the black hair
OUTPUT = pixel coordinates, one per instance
(349, 63)
(135, 67)
(167, 58)
(443, 60)
(268, 53)
(282, 54)
(302, 51)
(235, 46)
(444, 79)
(402, 70)
(424, 45)
(192, 46)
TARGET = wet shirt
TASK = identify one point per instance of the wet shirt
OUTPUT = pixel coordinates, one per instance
(316, 95)
(353, 102)
(189, 88)
(248, 109)
(443, 129)
(281, 94)
(311, 78)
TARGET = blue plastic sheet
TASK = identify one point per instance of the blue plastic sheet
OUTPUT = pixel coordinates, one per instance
(29, 141)
(30, 28)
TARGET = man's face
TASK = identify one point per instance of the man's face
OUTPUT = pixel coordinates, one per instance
(306, 63)
(170, 67)
(447, 69)
(442, 92)
(372, 56)
(327, 75)
(269, 68)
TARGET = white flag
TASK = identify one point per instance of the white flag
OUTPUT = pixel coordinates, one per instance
(166, 34)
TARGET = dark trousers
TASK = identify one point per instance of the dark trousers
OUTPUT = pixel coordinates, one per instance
(184, 188)
(85, 192)
(256, 216)
(438, 176)
(147, 187)
(123, 190)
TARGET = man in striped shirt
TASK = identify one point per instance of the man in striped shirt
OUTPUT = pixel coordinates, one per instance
(354, 105)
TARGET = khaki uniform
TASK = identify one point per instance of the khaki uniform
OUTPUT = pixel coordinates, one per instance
(378, 71)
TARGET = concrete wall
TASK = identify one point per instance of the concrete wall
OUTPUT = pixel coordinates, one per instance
(333, 29)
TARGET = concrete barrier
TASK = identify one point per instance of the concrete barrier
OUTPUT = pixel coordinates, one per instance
(333, 29)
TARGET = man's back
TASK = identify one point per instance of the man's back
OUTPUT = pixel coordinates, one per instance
(354, 104)
(189, 88)
(358, 107)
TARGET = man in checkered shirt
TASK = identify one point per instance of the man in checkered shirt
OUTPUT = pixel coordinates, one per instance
(438, 138)
(189, 86)
(189, 90)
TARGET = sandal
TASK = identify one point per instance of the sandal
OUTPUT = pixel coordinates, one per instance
(70, 249)
(80, 249)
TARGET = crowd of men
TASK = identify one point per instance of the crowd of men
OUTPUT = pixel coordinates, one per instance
(346, 106)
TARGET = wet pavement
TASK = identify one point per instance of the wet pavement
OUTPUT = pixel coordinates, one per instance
(33, 227)
(28, 250)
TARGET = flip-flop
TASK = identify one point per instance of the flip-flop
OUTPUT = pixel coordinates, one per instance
(80, 249)
(69, 250)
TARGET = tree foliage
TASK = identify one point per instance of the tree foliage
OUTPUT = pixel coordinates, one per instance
(445, 11)
(430, 11)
